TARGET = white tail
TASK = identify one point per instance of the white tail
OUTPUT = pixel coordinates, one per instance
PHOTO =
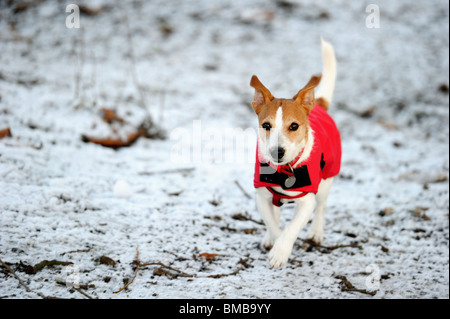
(326, 88)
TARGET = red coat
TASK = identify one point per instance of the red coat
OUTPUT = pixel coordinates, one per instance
(323, 162)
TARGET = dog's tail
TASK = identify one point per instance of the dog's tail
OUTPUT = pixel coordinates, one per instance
(325, 91)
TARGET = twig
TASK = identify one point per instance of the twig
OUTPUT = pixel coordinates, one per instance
(79, 65)
(312, 243)
(162, 104)
(169, 171)
(46, 263)
(20, 280)
(178, 273)
(226, 275)
(132, 57)
(348, 286)
(163, 270)
(21, 81)
(169, 271)
(75, 287)
(77, 251)
(135, 273)
(83, 293)
(242, 189)
(240, 216)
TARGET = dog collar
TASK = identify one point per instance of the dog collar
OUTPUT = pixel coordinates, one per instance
(286, 169)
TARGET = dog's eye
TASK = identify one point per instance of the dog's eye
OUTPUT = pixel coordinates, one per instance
(293, 127)
(266, 126)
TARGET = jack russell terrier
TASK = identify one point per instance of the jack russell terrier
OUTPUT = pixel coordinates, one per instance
(298, 154)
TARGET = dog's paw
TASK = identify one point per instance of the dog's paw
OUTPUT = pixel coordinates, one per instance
(279, 254)
(315, 236)
(267, 241)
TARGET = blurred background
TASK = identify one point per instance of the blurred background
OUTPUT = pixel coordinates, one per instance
(186, 56)
(89, 107)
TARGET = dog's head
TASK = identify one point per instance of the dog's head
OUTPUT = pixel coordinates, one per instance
(283, 123)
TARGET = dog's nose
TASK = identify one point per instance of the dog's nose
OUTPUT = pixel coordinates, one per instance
(277, 153)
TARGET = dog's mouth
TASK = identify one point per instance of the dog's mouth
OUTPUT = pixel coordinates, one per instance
(286, 159)
(278, 161)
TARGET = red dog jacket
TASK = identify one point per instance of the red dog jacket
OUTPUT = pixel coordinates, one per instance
(323, 162)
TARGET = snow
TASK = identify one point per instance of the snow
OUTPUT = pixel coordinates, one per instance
(176, 198)
(122, 189)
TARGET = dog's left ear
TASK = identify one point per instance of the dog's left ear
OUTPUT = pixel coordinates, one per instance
(262, 94)
(306, 95)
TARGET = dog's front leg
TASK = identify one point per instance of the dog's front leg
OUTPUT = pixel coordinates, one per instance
(282, 247)
(270, 215)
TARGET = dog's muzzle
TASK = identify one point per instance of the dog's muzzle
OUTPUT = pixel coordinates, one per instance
(277, 153)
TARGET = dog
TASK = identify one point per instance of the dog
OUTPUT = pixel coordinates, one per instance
(298, 155)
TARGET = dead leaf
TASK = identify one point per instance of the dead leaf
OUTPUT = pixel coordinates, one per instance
(91, 11)
(208, 256)
(104, 260)
(111, 142)
(250, 231)
(387, 211)
(5, 132)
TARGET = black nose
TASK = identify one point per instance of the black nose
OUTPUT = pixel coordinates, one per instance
(277, 153)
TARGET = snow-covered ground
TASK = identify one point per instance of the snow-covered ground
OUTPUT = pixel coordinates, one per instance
(189, 64)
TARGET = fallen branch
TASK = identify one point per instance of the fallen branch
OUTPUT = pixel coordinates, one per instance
(348, 286)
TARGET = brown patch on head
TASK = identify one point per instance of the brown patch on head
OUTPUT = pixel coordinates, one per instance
(295, 121)
(268, 113)
(295, 111)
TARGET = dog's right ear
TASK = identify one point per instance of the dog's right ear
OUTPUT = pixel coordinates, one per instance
(262, 94)
(306, 95)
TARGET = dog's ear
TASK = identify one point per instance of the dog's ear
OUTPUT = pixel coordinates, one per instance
(262, 94)
(306, 95)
